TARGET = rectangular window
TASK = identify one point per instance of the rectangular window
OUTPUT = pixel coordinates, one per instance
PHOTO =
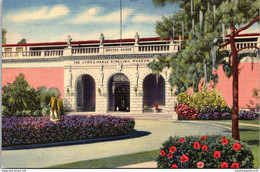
(8, 49)
(19, 49)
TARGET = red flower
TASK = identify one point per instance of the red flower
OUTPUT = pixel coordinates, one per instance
(170, 155)
(162, 153)
(217, 154)
(196, 145)
(200, 164)
(203, 137)
(224, 165)
(184, 158)
(174, 166)
(205, 147)
(236, 146)
(235, 165)
(173, 149)
(224, 141)
(181, 140)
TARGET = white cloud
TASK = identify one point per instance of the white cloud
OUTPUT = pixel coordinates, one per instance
(13, 37)
(145, 18)
(93, 15)
(42, 13)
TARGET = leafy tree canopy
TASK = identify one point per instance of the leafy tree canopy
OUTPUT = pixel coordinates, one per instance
(19, 96)
(22, 41)
(189, 64)
(4, 32)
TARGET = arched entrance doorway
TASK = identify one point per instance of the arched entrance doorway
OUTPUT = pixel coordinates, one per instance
(119, 93)
(86, 94)
(153, 91)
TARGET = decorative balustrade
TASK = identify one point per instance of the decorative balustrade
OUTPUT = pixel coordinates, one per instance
(34, 53)
(79, 51)
(151, 48)
(110, 50)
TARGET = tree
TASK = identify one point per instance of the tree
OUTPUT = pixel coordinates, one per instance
(198, 57)
(22, 41)
(19, 96)
(4, 32)
(235, 62)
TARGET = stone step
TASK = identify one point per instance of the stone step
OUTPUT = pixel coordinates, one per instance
(144, 116)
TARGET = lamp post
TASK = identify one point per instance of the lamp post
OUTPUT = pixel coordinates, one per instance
(120, 22)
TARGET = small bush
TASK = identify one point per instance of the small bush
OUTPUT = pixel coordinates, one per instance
(213, 151)
(36, 130)
(249, 115)
(202, 99)
(185, 98)
(186, 112)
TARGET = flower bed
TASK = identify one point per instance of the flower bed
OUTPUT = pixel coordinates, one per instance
(187, 113)
(35, 130)
(213, 151)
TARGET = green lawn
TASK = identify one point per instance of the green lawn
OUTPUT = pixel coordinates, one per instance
(113, 162)
(244, 121)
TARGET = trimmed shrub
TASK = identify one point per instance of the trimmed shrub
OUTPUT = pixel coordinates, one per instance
(214, 151)
(186, 112)
(35, 130)
(249, 115)
(185, 98)
(204, 98)
(212, 99)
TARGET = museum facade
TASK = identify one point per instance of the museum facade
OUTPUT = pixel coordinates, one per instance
(104, 76)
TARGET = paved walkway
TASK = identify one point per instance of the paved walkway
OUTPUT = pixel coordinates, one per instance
(150, 164)
(152, 134)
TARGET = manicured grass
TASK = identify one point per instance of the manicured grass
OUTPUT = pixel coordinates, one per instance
(244, 121)
(113, 162)
(249, 134)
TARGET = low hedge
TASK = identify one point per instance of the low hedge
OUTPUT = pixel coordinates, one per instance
(35, 130)
(213, 151)
(187, 113)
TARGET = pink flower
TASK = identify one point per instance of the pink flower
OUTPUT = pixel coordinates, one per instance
(204, 147)
(196, 145)
(174, 166)
(184, 158)
(224, 165)
(235, 165)
(224, 141)
(200, 164)
(203, 137)
(162, 153)
(217, 154)
(173, 149)
(181, 140)
(236, 146)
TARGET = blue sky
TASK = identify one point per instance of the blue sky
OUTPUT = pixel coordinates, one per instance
(54, 20)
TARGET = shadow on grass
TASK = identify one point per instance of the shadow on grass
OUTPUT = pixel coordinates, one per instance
(246, 129)
(253, 142)
(134, 134)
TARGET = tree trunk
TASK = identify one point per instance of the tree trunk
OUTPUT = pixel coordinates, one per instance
(235, 128)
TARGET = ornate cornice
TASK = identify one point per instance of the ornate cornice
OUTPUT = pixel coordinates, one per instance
(68, 58)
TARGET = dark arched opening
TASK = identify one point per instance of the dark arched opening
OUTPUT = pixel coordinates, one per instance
(119, 93)
(153, 91)
(86, 94)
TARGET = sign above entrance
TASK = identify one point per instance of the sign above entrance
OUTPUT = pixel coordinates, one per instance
(80, 62)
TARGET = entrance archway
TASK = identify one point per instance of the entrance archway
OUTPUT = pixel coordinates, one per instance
(86, 94)
(119, 93)
(153, 91)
